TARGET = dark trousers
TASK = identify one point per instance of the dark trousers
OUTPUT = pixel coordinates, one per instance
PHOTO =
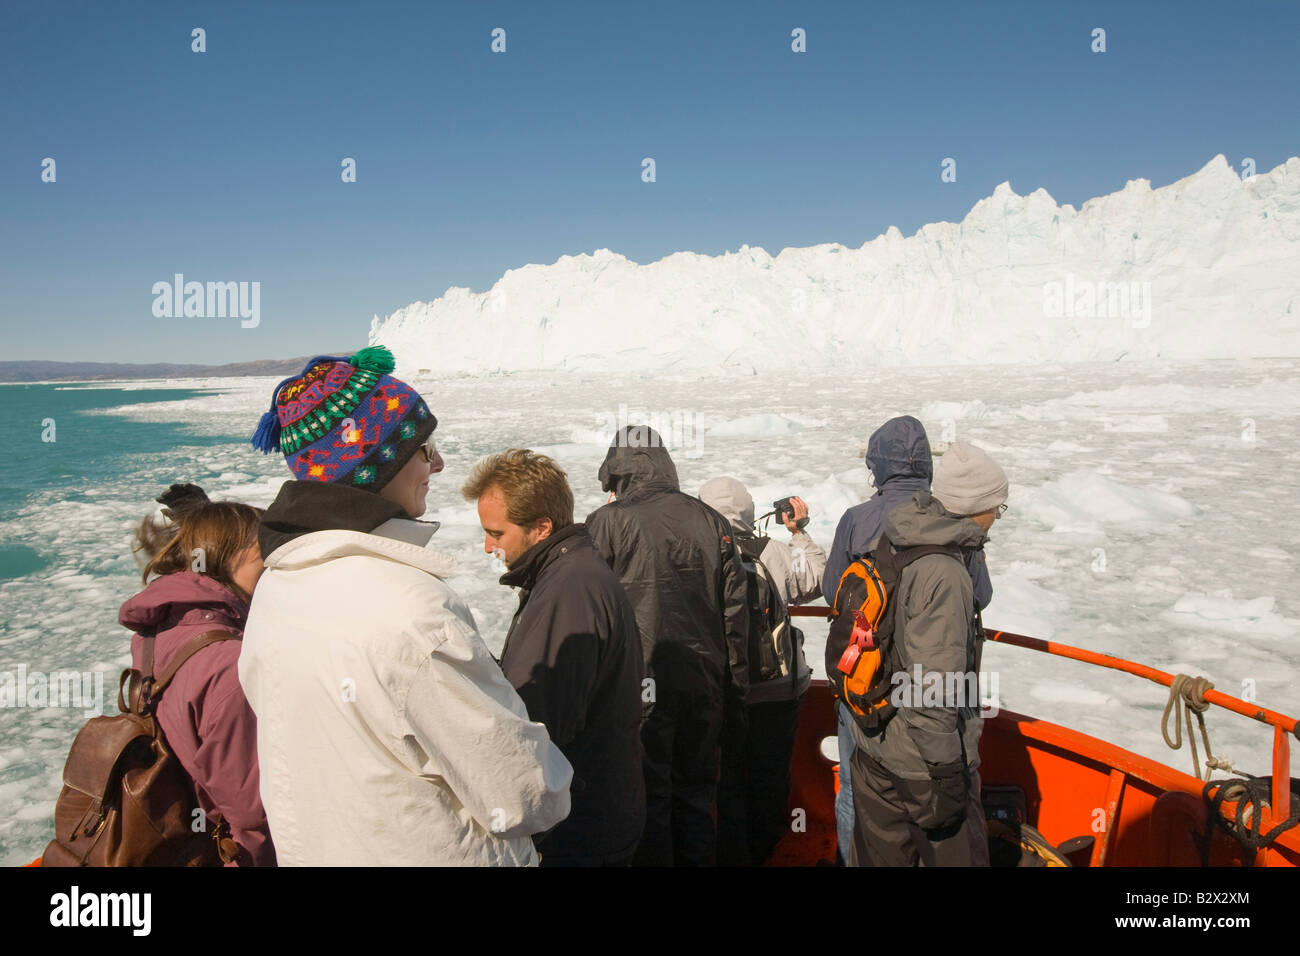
(885, 834)
(754, 791)
(681, 743)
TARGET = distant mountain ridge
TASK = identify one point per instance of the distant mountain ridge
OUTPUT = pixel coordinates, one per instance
(40, 371)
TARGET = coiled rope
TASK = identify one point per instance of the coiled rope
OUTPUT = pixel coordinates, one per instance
(1251, 794)
(1189, 692)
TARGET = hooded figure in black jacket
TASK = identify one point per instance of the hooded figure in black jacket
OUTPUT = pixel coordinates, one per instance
(686, 582)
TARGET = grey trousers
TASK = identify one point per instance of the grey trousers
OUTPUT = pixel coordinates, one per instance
(885, 834)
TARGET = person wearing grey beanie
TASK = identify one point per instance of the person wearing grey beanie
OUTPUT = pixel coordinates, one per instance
(901, 464)
(969, 482)
(915, 778)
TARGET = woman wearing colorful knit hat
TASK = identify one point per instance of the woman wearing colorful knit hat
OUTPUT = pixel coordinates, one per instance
(386, 733)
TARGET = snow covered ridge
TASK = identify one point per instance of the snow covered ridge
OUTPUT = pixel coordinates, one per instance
(1207, 267)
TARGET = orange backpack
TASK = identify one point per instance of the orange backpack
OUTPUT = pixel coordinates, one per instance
(860, 658)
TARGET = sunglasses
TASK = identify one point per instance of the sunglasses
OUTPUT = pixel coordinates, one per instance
(430, 450)
(1002, 509)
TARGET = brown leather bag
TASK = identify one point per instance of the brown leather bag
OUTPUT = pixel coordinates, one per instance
(126, 799)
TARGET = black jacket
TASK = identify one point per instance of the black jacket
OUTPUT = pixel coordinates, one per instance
(573, 655)
(679, 566)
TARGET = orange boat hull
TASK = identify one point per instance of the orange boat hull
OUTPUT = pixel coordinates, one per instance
(1139, 812)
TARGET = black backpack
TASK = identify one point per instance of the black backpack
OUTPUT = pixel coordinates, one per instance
(861, 658)
(775, 644)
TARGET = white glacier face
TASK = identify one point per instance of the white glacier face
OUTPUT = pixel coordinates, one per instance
(1207, 267)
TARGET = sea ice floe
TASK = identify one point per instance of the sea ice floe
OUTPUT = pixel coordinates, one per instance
(1060, 447)
(1137, 423)
(763, 425)
(1021, 606)
(1219, 611)
(1085, 497)
(936, 413)
(1065, 693)
(1269, 553)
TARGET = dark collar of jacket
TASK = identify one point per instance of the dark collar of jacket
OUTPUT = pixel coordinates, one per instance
(525, 571)
(303, 507)
(901, 487)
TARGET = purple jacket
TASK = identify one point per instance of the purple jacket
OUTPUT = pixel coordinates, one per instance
(204, 714)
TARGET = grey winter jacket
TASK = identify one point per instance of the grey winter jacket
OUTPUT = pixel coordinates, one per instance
(934, 630)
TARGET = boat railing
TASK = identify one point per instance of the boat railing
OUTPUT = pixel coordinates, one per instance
(1194, 691)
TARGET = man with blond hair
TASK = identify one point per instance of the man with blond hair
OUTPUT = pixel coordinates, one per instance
(572, 652)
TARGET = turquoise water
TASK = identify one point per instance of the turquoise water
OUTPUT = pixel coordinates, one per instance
(88, 449)
(60, 448)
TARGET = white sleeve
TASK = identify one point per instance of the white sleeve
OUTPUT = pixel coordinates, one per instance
(803, 570)
(503, 767)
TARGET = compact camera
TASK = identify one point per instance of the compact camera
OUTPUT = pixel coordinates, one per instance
(782, 507)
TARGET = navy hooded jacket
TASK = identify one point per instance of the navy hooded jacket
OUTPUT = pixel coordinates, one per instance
(899, 457)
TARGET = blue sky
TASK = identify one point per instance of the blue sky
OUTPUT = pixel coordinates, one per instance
(225, 165)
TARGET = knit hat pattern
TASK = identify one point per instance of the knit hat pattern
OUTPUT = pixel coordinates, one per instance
(346, 421)
(969, 482)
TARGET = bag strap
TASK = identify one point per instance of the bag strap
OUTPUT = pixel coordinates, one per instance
(751, 546)
(774, 594)
(904, 556)
(891, 563)
(156, 687)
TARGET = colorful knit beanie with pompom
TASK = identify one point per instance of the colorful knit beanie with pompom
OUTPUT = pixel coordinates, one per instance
(346, 421)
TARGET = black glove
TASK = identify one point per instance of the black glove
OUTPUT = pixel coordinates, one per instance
(181, 498)
(949, 795)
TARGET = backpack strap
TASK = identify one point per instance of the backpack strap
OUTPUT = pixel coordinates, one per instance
(155, 687)
(774, 594)
(750, 546)
(904, 556)
(891, 563)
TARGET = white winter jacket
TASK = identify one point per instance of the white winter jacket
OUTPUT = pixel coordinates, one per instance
(386, 733)
(796, 567)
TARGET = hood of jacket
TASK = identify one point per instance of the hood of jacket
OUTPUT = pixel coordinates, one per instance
(900, 449)
(304, 507)
(184, 597)
(922, 520)
(637, 461)
(729, 498)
